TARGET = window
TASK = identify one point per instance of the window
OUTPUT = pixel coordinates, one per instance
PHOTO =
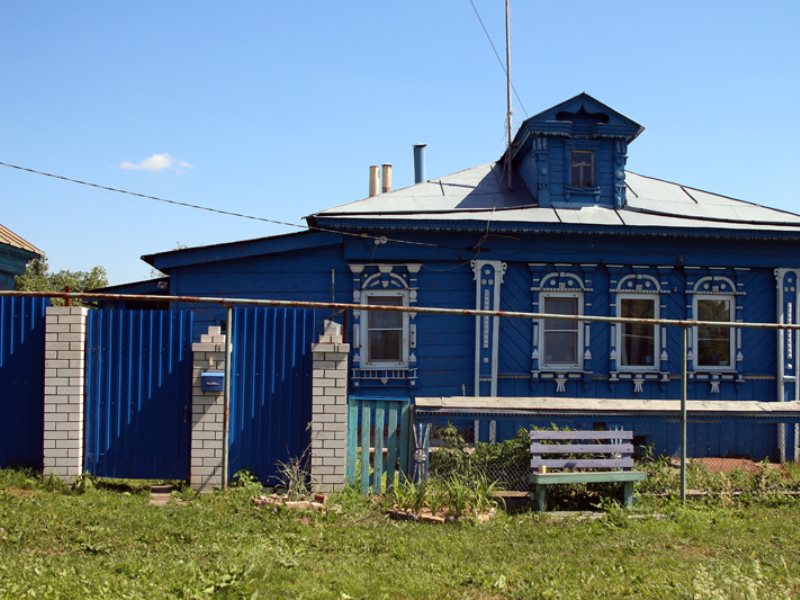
(386, 332)
(582, 168)
(638, 341)
(561, 341)
(714, 343)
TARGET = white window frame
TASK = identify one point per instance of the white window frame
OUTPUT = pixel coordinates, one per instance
(543, 334)
(696, 338)
(364, 333)
(655, 298)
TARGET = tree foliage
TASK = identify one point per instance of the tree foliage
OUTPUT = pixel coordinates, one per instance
(38, 278)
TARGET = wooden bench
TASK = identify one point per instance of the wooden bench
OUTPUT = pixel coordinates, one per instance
(584, 457)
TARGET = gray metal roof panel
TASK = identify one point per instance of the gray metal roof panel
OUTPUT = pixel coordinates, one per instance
(481, 187)
(589, 215)
(480, 193)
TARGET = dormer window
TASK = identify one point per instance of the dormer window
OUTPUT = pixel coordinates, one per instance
(582, 168)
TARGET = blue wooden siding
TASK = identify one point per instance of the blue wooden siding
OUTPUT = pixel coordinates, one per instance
(446, 345)
(304, 274)
(138, 393)
(22, 361)
(270, 389)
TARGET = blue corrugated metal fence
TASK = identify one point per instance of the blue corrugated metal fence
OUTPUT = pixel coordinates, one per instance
(138, 393)
(270, 389)
(22, 324)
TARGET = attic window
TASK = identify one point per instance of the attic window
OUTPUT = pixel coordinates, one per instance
(582, 168)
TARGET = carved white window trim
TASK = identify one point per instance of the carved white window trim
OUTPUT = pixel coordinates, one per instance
(711, 283)
(364, 331)
(372, 279)
(561, 278)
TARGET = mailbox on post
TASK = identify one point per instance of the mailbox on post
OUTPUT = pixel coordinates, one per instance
(212, 381)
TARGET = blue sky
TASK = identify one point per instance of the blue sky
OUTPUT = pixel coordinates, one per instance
(277, 109)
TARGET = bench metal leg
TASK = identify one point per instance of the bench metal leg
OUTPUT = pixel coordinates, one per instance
(628, 493)
(541, 497)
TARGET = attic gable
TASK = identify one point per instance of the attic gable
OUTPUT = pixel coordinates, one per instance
(574, 153)
(580, 117)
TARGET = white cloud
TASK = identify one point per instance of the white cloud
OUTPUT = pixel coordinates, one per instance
(156, 162)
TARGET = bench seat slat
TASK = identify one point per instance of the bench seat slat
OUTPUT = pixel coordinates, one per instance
(537, 448)
(546, 434)
(587, 477)
(583, 463)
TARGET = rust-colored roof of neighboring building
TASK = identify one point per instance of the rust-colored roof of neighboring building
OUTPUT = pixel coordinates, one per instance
(12, 239)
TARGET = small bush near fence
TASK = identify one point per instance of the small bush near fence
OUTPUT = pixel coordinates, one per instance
(506, 464)
(710, 478)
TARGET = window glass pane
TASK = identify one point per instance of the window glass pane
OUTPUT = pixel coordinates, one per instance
(561, 347)
(576, 176)
(714, 342)
(560, 337)
(638, 308)
(385, 320)
(560, 306)
(714, 310)
(638, 339)
(582, 168)
(385, 346)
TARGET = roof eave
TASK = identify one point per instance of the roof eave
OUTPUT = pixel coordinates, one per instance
(366, 224)
(165, 261)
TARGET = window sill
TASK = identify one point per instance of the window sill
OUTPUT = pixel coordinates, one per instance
(580, 192)
(706, 372)
(372, 376)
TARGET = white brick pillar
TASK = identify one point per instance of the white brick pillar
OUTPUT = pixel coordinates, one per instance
(64, 348)
(206, 472)
(329, 410)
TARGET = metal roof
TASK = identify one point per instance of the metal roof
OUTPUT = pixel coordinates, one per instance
(480, 194)
(10, 238)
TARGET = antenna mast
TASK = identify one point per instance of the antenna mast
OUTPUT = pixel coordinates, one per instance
(508, 89)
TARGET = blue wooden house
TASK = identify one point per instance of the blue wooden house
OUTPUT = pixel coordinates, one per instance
(574, 234)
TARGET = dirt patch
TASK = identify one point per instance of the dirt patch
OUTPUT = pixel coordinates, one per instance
(19, 492)
(727, 465)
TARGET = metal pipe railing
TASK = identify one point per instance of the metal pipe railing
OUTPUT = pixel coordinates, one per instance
(468, 312)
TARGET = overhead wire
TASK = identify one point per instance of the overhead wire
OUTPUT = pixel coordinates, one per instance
(497, 54)
(378, 239)
(477, 248)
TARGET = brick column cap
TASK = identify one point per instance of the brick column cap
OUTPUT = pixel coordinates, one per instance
(331, 347)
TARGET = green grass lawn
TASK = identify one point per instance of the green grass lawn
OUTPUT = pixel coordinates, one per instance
(105, 543)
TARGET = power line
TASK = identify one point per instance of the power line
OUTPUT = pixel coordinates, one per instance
(378, 239)
(497, 54)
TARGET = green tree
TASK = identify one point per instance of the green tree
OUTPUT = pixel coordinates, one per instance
(38, 278)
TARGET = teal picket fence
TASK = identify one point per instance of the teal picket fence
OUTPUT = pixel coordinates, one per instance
(378, 431)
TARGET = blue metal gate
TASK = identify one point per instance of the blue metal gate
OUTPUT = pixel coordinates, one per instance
(138, 393)
(22, 381)
(270, 388)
